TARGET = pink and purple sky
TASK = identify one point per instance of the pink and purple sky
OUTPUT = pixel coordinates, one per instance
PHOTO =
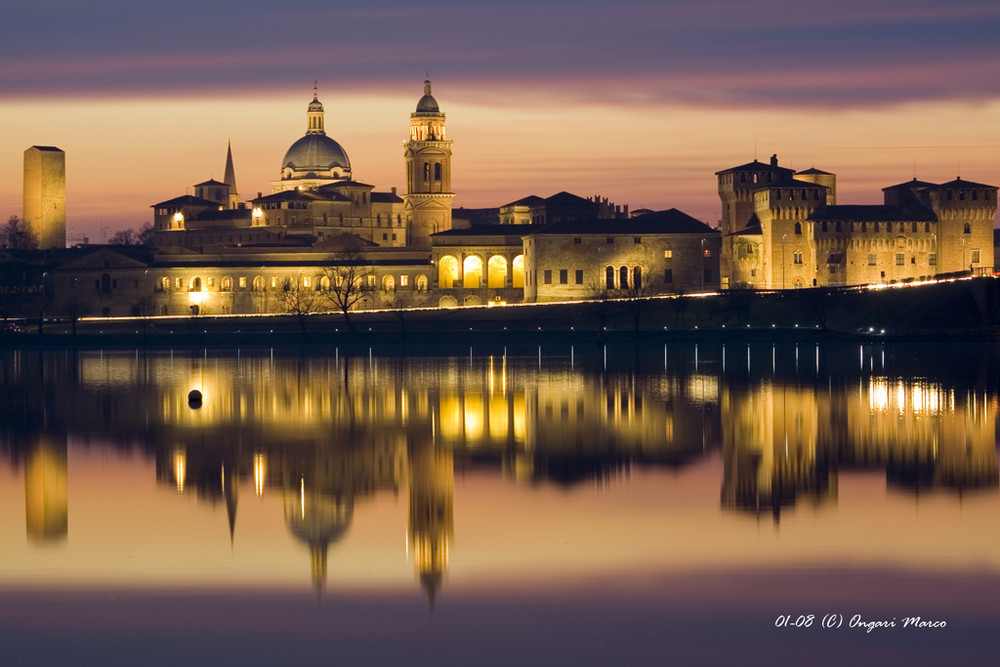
(637, 101)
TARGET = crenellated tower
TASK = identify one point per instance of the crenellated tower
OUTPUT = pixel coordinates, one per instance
(428, 172)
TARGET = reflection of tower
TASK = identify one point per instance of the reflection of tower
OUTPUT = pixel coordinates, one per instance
(432, 485)
(428, 172)
(46, 501)
(318, 519)
(45, 195)
(230, 489)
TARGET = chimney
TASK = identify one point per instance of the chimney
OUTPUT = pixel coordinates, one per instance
(394, 189)
(774, 160)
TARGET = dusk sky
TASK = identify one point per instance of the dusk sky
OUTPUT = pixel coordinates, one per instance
(640, 102)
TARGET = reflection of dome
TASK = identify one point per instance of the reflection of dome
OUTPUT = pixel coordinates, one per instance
(318, 520)
(427, 103)
(316, 152)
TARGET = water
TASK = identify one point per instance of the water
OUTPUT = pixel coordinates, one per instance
(688, 504)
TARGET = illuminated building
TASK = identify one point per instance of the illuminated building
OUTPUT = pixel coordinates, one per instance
(44, 209)
(428, 172)
(784, 229)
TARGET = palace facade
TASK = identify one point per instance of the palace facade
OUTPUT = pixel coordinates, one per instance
(784, 229)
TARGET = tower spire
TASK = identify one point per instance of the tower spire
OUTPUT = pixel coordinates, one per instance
(230, 178)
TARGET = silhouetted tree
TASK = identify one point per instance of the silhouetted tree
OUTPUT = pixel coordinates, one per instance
(17, 235)
(141, 236)
(347, 285)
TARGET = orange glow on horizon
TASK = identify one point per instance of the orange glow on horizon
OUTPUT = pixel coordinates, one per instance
(649, 155)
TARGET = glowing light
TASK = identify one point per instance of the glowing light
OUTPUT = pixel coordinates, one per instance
(259, 473)
(180, 468)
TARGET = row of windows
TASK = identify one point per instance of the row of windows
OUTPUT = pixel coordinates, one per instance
(278, 283)
(472, 272)
(563, 277)
(427, 171)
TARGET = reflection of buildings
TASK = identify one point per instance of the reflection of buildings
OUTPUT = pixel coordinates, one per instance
(46, 499)
(783, 443)
(327, 434)
(432, 523)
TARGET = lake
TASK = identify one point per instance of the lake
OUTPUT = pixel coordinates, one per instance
(682, 504)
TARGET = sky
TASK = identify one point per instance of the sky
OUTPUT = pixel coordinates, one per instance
(640, 102)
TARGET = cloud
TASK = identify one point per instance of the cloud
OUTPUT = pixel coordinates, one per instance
(774, 52)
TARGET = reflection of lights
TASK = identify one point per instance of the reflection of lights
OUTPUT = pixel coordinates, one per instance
(259, 473)
(180, 468)
(703, 388)
(878, 394)
(302, 496)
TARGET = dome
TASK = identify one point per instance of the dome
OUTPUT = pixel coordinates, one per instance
(316, 152)
(427, 103)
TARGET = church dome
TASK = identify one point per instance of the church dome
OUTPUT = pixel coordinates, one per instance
(427, 103)
(316, 152)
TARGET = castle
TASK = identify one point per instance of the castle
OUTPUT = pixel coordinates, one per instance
(784, 229)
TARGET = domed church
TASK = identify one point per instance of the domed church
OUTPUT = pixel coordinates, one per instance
(316, 197)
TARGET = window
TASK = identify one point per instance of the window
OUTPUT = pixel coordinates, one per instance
(611, 239)
(667, 254)
(932, 259)
(668, 275)
(609, 277)
(227, 283)
(421, 283)
(900, 260)
(563, 276)
(623, 277)
(196, 284)
(404, 280)
(636, 239)
(967, 229)
(875, 226)
(637, 277)
(914, 228)
(824, 225)
(798, 227)
(577, 240)
(838, 226)
(179, 283)
(164, 283)
(274, 282)
(547, 277)
(258, 282)
(306, 281)
(210, 282)
(579, 276)
(872, 260)
(798, 257)
(243, 281)
(974, 257)
(437, 171)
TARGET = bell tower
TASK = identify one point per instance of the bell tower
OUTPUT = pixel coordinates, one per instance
(428, 195)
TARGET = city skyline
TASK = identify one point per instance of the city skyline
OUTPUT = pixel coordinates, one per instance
(640, 104)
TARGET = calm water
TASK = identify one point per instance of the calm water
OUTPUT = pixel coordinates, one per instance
(552, 506)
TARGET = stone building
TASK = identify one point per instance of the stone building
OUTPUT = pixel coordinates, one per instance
(784, 229)
(656, 253)
(44, 207)
(535, 210)
(479, 264)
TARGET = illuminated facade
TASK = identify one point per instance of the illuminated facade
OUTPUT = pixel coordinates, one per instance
(784, 229)
(428, 172)
(44, 210)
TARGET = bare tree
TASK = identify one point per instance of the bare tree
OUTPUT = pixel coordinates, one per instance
(631, 291)
(347, 285)
(141, 236)
(17, 235)
(299, 299)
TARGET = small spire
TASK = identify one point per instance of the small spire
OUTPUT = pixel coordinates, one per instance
(427, 86)
(315, 89)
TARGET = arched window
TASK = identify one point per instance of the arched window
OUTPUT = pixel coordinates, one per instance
(427, 171)
(496, 272)
(195, 284)
(609, 277)
(472, 267)
(105, 283)
(518, 268)
(388, 283)
(623, 277)
(967, 229)
(258, 282)
(437, 171)
(421, 283)
(447, 272)
(637, 277)
(164, 283)
(227, 283)
(324, 282)
(798, 227)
